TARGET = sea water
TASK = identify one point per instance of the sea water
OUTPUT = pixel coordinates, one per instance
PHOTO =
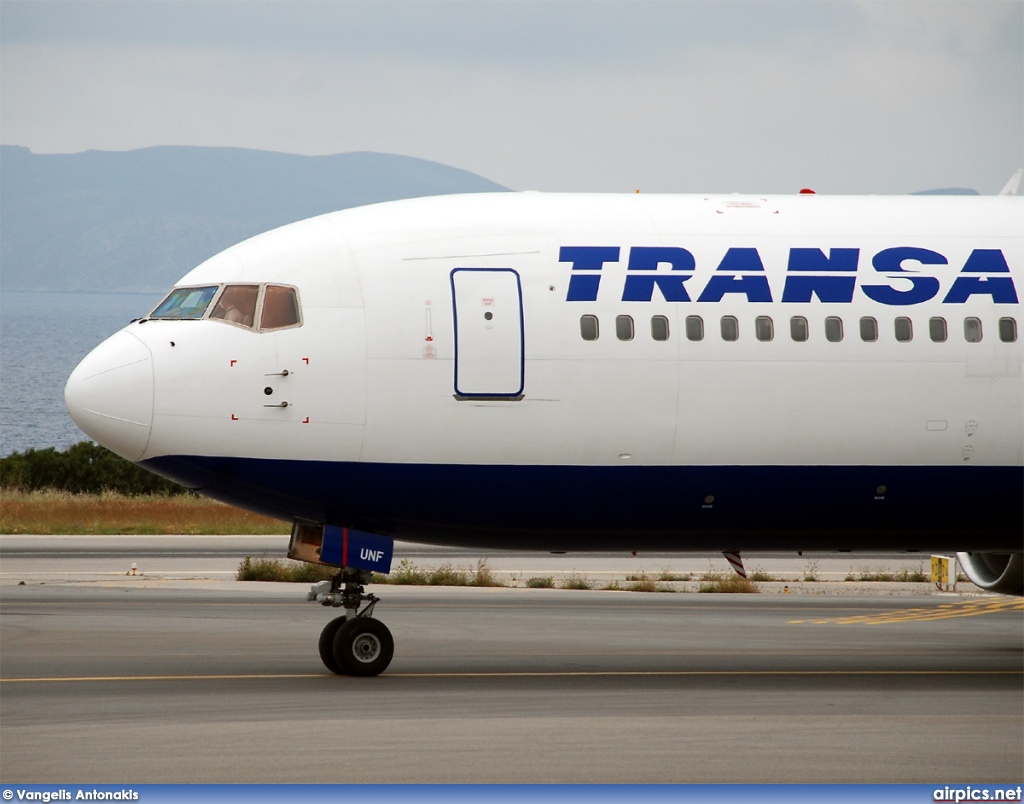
(43, 336)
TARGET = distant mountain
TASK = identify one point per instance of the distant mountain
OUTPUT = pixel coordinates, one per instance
(137, 220)
(948, 191)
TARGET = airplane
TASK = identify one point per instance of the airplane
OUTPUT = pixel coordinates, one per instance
(590, 372)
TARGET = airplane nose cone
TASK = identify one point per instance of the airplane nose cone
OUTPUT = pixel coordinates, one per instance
(110, 395)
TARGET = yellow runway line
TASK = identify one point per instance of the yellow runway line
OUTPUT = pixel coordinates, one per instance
(947, 611)
(541, 674)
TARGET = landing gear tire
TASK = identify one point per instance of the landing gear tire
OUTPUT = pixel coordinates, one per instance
(362, 647)
(356, 644)
(327, 645)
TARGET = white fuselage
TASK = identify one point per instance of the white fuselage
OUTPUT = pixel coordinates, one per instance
(458, 332)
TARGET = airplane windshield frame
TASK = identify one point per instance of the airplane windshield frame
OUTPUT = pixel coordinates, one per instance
(252, 306)
(186, 303)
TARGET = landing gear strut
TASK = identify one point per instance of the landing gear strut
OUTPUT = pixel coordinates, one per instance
(354, 644)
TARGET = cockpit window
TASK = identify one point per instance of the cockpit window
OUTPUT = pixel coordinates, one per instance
(280, 308)
(266, 307)
(185, 303)
(237, 304)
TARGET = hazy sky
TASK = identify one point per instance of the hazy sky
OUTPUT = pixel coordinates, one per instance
(844, 97)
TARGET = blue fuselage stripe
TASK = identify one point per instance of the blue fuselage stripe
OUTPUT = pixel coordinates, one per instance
(978, 508)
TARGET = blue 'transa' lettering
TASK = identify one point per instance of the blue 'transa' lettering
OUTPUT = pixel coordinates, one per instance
(640, 287)
(811, 274)
(584, 287)
(891, 261)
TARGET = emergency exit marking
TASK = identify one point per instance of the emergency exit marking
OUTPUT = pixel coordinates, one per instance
(234, 418)
(305, 360)
(306, 420)
(233, 363)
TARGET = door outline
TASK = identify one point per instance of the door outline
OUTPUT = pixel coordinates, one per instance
(514, 395)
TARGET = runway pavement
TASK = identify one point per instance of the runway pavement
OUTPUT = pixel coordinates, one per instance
(211, 557)
(189, 676)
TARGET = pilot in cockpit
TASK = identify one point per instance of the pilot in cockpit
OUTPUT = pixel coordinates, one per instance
(237, 304)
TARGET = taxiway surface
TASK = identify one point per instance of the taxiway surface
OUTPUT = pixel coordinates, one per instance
(121, 679)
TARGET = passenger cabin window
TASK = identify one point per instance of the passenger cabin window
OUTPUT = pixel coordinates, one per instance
(237, 305)
(187, 303)
(280, 308)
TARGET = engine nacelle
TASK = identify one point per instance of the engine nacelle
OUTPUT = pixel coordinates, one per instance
(995, 572)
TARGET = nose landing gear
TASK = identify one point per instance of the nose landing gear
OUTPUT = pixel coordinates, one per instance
(354, 644)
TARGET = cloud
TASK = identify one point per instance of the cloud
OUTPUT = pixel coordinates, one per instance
(853, 97)
(539, 31)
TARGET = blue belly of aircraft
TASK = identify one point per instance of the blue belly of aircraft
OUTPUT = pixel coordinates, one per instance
(665, 508)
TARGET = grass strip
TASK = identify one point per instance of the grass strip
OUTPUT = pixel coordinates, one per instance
(110, 513)
(406, 573)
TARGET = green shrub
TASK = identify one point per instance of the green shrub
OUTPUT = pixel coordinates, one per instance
(83, 468)
(576, 581)
(407, 574)
(730, 583)
(541, 583)
(448, 574)
(263, 568)
(641, 583)
(903, 576)
(484, 576)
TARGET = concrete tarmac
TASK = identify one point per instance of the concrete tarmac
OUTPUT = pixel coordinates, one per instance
(156, 678)
(196, 557)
